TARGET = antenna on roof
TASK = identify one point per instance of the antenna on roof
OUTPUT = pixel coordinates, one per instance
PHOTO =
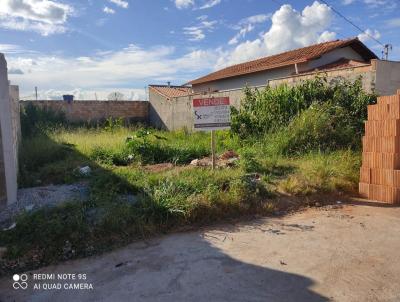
(385, 51)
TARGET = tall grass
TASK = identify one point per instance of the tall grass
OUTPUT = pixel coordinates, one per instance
(319, 172)
(289, 142)
(314, 115)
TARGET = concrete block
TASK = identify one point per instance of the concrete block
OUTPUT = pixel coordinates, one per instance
(9, 143)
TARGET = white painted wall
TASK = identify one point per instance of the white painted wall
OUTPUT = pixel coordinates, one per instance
(334, 55)
(7, 135)
(252, 79)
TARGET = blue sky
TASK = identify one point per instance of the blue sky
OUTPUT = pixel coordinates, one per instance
(99, 46)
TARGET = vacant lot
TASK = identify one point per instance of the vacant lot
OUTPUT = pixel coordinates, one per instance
(133, 197)
(324, 254)
(287, 144)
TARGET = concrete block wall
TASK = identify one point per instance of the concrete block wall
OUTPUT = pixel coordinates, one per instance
(367, 73)
(9, 139)
(177, 113)
(91, 111)
(162, 112)
(387, 76)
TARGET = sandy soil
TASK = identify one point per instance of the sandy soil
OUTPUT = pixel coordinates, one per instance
(348, 253)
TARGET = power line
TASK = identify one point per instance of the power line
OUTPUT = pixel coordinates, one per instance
(386, 47)
(352, 23)
(349, 21)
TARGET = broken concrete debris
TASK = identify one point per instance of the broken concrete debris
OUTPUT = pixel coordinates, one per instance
(227, 159)
(85, 171)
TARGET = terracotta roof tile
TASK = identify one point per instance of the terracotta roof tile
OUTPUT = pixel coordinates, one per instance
(285, 59)
(171, 91)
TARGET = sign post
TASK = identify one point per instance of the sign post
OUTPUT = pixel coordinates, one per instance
(212, 114)
(213, 149)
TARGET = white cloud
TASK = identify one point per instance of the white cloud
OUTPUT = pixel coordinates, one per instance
(129, 67)
(365, 36)
(241, 34)
(15, 71)
(129, 94)
(202, 17)
(290, 29)
(194, 33)
(108, 10)
(375, 3)
(43, 16)
(210, 3)
(393, 22)
(120, 3)
(197, 33)
(386, 5)
(10, 48)
(255, 19)
(247, 25)
(326, 36)
(181, 4)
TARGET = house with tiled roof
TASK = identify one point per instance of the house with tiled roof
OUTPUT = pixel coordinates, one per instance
(170, 106)
(170, 91)
(323, 56)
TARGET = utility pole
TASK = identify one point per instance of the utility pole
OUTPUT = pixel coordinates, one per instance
(385, 51)
(36, 93)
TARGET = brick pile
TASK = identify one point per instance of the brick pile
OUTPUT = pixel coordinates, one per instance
(380, 171)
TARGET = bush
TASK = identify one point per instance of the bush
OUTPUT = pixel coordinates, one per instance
(322, 172)
(270, 110)
(150, 148)
(35, 119)
(321, 127)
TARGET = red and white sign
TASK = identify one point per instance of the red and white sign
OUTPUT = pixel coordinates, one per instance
(212, 113)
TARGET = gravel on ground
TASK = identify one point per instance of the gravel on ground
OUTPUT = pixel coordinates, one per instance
(31, 199)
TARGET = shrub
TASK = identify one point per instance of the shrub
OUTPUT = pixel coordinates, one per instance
(321, 127)
(35, 119)
(268, 111)
(111, 124)
(321, 172)
(248, 161)
(149, 148)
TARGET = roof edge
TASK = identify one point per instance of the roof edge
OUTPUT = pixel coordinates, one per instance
(367, 54)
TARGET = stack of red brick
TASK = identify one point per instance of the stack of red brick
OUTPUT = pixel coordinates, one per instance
(380, 171)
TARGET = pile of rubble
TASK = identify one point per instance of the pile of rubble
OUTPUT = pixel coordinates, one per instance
(227, 159)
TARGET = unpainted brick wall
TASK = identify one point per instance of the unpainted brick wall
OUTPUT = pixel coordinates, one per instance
(367, 73)
(379, 173)
(84, 111)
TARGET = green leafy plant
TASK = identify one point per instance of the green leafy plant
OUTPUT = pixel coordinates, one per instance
(35, 119)
(111, 124)
(269, 110)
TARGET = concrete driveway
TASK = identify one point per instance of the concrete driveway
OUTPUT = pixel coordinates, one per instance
(348, 253)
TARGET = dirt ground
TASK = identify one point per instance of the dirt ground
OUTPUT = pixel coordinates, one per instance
(348, 253)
